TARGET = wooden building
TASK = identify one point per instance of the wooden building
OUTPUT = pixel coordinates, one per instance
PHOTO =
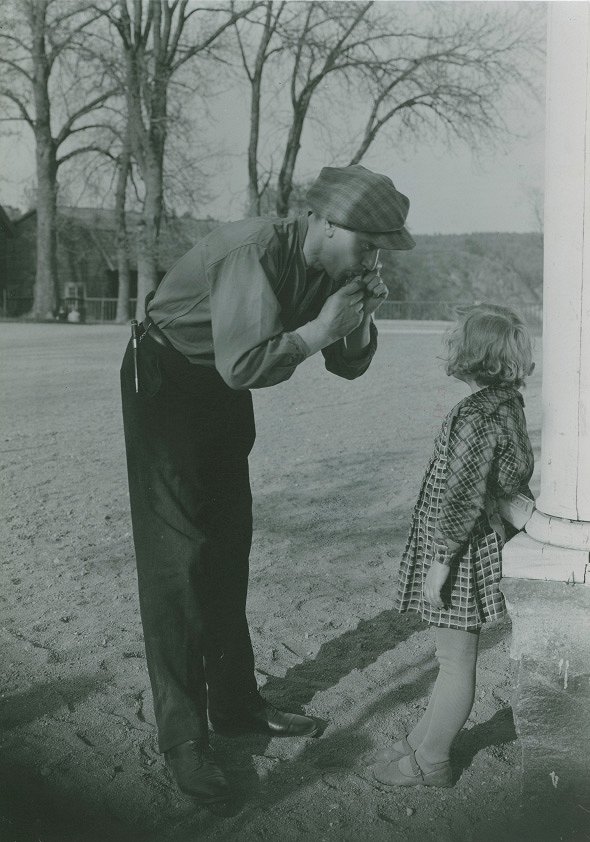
(86, 252)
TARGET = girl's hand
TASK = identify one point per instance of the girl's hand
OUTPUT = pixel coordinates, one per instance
(433, 583)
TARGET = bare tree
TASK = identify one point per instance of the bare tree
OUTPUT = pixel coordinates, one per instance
(155, 40)
(323, 43)
(38, 40)
(455, 73)
(317, 38)
(271, 14)
(108, 172)
(423, 69)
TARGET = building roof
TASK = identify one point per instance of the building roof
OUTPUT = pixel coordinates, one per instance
(177, 235)
(76, 225)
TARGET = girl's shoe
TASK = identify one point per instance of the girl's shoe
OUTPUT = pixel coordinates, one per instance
(389, 773)
(390, 754)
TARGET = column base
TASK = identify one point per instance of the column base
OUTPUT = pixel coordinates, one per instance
(559, 531)
(525, 558)
(549, 606)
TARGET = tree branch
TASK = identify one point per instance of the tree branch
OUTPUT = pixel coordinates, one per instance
(198, 48)
(14, 66)
(84, 149)
(57, 49)
(15, 40)
(66, 130)
(22, 109)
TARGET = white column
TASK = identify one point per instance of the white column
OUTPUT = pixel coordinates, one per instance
(551, 616)
(562, 519)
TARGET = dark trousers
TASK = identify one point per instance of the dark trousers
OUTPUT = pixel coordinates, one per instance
(187, 437)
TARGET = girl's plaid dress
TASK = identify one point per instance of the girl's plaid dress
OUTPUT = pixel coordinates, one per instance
(482, 452)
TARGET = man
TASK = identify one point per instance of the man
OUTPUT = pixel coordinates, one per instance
(240, 310)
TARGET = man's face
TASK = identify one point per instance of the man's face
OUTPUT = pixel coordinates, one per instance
(346, 254)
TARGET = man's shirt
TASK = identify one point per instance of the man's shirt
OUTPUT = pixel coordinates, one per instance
(234, 302)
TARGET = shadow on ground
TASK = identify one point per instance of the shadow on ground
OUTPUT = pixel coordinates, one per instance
(335, 659)
(32, 807)
(340, 753)
(497, 731)
(32, 810)
(25, 707)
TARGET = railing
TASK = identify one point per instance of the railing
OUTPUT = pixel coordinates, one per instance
(105, 309)
(90, 309)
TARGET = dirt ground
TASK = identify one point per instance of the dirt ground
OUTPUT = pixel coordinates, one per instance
(335, 471)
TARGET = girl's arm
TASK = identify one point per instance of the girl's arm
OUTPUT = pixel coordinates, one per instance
(470, 455)
(471, 450)
(514, 457)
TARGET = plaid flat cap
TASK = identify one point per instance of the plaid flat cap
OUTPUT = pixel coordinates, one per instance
(361, 200)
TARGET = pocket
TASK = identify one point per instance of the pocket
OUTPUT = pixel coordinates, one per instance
(149, 368)
(240, 429)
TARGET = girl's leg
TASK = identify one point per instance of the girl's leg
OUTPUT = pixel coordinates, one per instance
(452, 698)
(419, 730)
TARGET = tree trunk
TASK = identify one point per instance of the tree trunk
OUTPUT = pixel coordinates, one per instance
(254, 197)
(124, 284)
(285, 183)
(46, 281)
(122, 244)
(148, 236)
(254, 205)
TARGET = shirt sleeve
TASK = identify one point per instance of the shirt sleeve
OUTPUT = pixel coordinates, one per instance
(514, 458)
(252, 350)
(471, 449)
(349, 367)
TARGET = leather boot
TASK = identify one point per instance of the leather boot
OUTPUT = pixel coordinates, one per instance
(264, 718)
(196, 773)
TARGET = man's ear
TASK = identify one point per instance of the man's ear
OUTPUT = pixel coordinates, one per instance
(329, 228)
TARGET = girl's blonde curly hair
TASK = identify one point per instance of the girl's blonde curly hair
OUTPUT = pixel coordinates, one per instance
(491, 345)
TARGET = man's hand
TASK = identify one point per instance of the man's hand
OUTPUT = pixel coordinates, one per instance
(433, 583)
(343, 311)
(375, 290)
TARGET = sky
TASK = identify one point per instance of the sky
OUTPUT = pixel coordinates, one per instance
(451, 190)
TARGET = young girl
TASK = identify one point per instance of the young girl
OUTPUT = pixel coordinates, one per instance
(452, 563)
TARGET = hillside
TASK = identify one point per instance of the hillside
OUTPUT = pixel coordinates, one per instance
(500, 267)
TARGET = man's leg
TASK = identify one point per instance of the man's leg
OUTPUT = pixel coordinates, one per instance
(188, 437)
(229, 659)
(235, 705)
(168, 441)
(167, 503)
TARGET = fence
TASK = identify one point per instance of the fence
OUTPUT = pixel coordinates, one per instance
(105, 309)
(90, 309)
